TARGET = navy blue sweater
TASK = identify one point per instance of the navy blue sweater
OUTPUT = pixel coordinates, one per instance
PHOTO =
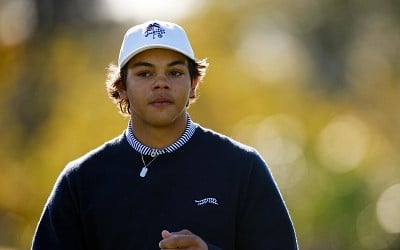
(213, 186)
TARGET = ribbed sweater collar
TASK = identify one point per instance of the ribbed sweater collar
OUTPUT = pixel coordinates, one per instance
(145, 150)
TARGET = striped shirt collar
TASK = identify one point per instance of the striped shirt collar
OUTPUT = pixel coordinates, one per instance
(145, 150)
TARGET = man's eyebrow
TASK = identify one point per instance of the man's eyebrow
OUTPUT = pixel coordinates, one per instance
(139, 64)
(177, 62)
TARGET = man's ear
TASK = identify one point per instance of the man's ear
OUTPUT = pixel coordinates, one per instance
(122, 94)
(122, 90)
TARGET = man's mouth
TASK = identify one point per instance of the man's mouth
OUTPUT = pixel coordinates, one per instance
(160, 102)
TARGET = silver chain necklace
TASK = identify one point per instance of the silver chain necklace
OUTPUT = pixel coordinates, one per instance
(144, 170)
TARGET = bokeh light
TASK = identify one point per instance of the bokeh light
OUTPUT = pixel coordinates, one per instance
(343, 143)
(279, 139)
(137, 10)
(388, 209)
(17, 21)
(269, 51)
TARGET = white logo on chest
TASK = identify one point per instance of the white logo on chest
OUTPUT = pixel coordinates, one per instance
(206, 201)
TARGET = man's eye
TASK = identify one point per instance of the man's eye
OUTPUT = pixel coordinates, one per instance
(176, 73)
(144, 74)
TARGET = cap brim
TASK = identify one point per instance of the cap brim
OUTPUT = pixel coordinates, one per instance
(152, 46)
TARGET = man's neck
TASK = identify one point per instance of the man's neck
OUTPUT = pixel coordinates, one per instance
(159, 137)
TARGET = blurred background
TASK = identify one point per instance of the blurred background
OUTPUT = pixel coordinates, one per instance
(313, 85)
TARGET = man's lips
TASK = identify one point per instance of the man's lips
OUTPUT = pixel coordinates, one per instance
(161, 101)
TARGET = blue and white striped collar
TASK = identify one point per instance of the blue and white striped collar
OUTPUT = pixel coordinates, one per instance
(145, 150)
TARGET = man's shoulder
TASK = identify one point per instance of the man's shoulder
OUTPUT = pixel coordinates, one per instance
(226, 151)
(212, 138)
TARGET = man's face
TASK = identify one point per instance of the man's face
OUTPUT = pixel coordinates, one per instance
(158, 87)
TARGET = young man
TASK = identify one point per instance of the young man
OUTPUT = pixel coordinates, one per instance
(166, 182)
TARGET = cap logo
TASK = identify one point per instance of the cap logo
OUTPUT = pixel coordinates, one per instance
(155, 30)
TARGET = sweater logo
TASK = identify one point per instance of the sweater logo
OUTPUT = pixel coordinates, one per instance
(206, 201)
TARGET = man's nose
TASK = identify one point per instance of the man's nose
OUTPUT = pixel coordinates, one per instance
(161, 81)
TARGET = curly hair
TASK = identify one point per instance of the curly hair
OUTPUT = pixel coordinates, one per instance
(116, 81)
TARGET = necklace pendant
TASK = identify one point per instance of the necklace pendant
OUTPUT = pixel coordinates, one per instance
(143, 172)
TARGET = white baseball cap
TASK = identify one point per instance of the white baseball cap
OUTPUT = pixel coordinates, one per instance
(154, 34)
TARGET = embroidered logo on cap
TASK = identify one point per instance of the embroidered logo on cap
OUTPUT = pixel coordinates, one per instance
(206, 200)
(155, 30)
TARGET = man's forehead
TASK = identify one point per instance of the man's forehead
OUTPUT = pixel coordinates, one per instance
(165, 56)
